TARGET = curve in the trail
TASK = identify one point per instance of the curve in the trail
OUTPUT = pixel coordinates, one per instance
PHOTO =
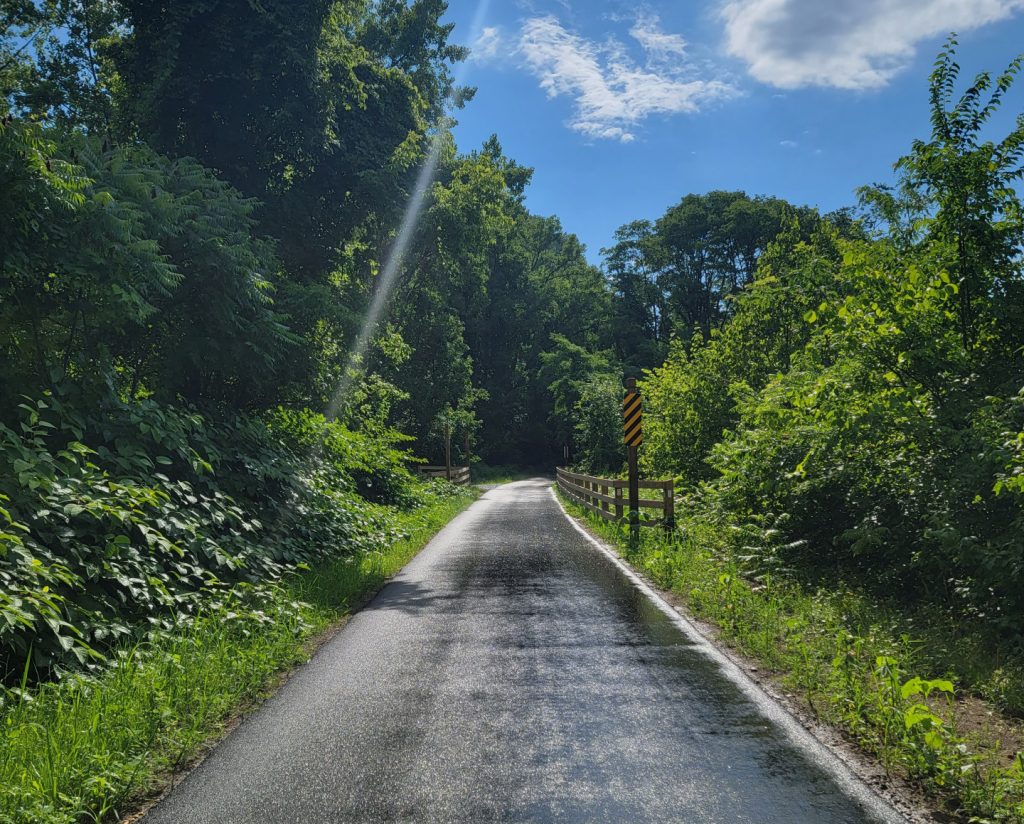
(514, 673)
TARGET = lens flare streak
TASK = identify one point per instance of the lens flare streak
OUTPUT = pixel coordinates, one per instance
(392, 269)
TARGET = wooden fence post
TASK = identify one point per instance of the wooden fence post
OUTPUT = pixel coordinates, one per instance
(670, 505)
(448, 450)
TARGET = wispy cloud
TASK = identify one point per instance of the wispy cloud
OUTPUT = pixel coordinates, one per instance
(612, 94)
(657, 43)
(845, 44)
(487, 46)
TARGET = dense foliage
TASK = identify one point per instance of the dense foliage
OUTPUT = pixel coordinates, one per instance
(845, 424)
(677, 276)
(136, 515)
(858, 416)
(198, 202)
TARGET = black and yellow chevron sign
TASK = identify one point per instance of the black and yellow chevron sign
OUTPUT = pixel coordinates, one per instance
(632, 415)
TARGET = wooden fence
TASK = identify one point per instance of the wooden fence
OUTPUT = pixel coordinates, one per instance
(609, 498)
(460, 474)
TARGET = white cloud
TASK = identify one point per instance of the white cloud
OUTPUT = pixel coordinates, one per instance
(487, 45)
(612, 94)
(788, 144)
(657, 43)
(849, 44)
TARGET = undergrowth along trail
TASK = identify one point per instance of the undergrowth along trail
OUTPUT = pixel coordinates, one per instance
(847, 656)
(90, 746)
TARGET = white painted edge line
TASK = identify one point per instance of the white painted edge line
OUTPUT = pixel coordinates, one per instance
(818, 752)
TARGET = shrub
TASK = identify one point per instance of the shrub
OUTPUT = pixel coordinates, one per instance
(135, 515)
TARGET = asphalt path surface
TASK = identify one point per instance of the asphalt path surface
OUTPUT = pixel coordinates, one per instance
(512, 672)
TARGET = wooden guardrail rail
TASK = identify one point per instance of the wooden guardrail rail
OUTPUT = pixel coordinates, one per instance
(606, 497)
(460, 474)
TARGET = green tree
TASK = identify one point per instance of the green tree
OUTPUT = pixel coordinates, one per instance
(540, 286)
(695, 391)
(969, 183)
(317, 112)
(883, 449)
(707, 248)
(566, 369)
(72, 80)
(149, 278)
(639, 322)
(597, 427)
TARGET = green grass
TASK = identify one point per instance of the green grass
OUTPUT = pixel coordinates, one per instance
(346, 582)
(850, 658)
(86, 748)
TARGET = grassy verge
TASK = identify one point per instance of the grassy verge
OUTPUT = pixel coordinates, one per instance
(84, 748)
(851, 659)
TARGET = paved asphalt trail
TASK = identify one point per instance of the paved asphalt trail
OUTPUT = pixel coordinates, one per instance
(511, 673)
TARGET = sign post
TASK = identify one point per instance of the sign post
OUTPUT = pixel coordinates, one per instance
(448, 449)
(632, 426)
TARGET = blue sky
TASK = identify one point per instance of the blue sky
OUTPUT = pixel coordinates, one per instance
(622, 108)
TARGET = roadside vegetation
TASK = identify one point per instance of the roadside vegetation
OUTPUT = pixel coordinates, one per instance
(855, 662)
(90, 746)
(196, 476)
(845, 426)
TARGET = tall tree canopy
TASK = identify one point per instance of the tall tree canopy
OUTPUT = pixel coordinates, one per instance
(677, 275)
